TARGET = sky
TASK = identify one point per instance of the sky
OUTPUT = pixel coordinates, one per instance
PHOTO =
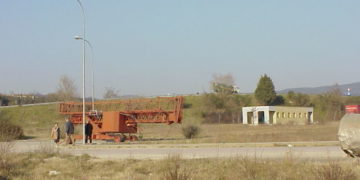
(158, 47)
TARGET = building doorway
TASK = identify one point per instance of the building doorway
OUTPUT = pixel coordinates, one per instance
(261, 117)
(309, 117)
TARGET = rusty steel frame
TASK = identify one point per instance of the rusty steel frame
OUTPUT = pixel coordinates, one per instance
(131, 112)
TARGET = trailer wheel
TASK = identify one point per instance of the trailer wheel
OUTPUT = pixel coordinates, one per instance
(134, 138)
(122, 138)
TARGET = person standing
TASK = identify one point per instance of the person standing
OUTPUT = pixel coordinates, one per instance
(69, 131)
(55, 133)
(88, 132)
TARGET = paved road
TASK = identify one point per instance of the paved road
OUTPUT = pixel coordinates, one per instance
(37, 104)
(160, 151)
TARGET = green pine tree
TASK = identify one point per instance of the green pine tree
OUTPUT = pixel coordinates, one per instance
(265, 91)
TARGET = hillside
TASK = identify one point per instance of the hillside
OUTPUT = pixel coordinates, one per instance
(37, 121)
(355, 89)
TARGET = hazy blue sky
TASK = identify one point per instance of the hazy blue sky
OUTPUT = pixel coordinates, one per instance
(152, 47)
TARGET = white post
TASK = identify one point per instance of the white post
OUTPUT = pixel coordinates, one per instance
(83, 71)
(255, 117)
(92, 71)
(244, 115)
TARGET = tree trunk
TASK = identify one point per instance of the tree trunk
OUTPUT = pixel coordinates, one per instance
(219, 117)
(233, 117)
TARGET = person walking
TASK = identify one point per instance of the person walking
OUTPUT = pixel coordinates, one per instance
(69, 131)
(88, 132)
(55, 133)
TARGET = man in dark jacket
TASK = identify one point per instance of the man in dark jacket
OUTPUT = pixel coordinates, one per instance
(69, 131)
(88, 132)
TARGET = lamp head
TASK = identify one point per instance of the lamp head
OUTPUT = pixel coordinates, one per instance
(78, 38)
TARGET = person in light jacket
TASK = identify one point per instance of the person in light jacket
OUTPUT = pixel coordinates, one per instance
(55, 133)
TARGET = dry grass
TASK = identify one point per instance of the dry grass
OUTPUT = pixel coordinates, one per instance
(235, 133)
(335, 171)
(7, 167)
(47, 149)
(58, 166)
(174, 168)
(38, 120)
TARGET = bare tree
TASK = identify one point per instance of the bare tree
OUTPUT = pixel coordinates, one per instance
(329, 106)
(224, 102)
(66, 90)
(111, 93)
(223, 84)
(225, 79)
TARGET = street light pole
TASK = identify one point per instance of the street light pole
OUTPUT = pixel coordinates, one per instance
(83, 70)
(92, 71)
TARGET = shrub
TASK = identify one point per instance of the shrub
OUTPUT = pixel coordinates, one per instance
(9, 131)
(190, 131)
(187, 105)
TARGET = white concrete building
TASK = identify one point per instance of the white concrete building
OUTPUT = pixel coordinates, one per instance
(277, 115)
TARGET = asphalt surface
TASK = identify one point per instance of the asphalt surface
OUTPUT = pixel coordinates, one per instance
(37, 104)
(188, 151)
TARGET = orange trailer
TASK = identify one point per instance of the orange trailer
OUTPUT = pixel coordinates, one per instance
(113, 119)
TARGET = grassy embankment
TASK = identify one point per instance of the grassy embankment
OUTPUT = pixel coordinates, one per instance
(38, 120)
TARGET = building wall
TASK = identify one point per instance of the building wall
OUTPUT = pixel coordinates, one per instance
(293, 115)
(251, 114)
(277, 115)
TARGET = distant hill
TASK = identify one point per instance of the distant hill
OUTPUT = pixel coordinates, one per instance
(355, 89)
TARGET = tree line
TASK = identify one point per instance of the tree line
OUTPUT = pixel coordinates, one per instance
(223, 105)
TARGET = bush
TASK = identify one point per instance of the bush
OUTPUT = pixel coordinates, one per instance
(190, 131)
(9, 131)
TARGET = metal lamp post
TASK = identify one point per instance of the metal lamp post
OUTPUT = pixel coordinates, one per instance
(92, 70)
(83, 70)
